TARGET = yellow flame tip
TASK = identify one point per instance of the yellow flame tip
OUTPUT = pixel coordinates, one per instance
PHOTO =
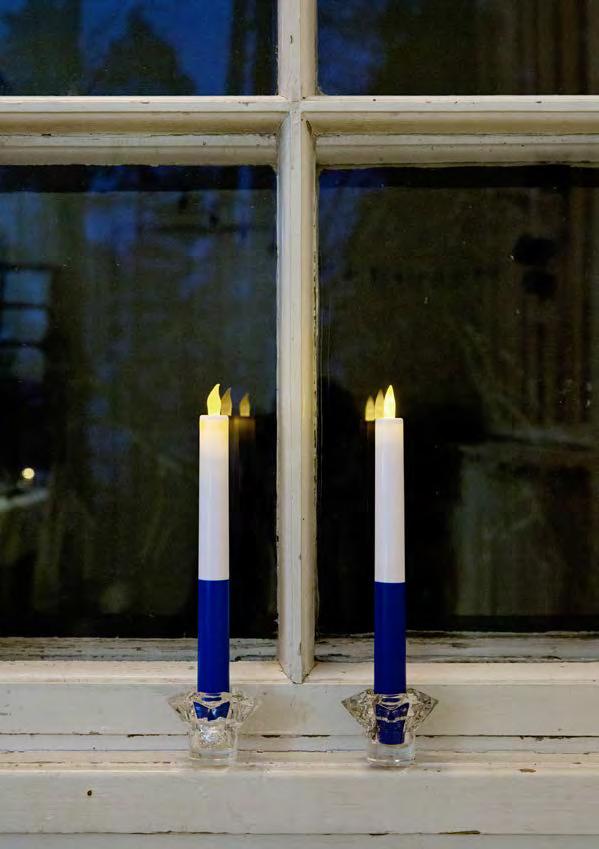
(369, 410)
(244, 405)
(389, 403)
(226, 403)
(213, 401)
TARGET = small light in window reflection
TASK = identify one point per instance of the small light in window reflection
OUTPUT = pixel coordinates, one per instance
(226, 404)
(213, 401)
(389, 404)
(28, 473)
(369, 410)
(379, 405)
(244, 405)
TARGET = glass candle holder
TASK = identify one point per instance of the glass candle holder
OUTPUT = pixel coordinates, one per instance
(214, 721)
(390, 721)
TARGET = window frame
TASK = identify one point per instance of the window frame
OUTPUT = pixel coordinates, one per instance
(299, 130)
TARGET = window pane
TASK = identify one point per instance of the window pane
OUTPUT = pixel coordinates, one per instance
(474, 292)
(23, 325)
(137, 47)
(26, 286)
(432, 47)
(152, 285)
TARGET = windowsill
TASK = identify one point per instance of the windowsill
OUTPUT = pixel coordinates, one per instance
(512, 748)
(299, 793)
(117, 699)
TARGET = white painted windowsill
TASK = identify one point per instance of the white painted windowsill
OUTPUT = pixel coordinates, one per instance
(512, 749)
(300, 793)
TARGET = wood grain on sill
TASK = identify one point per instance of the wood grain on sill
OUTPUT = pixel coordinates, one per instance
(433, 647)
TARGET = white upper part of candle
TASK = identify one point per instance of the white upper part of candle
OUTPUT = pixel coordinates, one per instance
(389, 534)
(213, 538)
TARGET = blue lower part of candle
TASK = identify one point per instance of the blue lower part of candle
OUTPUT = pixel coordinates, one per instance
(213, 636)
(389, 637)
(391, 724)
(221, 711)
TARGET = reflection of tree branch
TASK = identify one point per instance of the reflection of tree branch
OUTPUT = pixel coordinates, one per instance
(125, 66)
(483, 373)
(137, 433)
(167, 462)
(152, 544)
(63, 503)
(526, 514)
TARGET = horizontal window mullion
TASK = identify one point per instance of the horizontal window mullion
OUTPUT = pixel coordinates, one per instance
(138, 149)
(248, 115)
(441, 150)
(472, 115)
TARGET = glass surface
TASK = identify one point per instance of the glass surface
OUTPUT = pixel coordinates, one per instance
(126, 293)
(137, 47)
(436, 47)
(475, 292)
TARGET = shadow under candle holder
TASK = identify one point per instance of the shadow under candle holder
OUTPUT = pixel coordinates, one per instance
(390, 721)
(214, 720)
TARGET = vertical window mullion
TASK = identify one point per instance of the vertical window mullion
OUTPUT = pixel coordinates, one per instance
(296, 343)
(297, 49)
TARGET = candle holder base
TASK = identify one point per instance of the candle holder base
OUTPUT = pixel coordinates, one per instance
(214, 720)
(396, 755)
(390, 721)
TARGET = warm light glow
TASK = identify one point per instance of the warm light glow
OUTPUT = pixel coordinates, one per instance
(369, 410)
(226, 403)
(379, 405)
(389, 405)
(28, 474)
(244, 405)
(213, 402)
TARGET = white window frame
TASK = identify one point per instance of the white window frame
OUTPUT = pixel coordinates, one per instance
(299, 130)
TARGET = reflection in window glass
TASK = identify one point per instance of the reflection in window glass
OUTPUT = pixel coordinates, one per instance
(432, 47)
(125, 294)
(137, 47)
(473, 291)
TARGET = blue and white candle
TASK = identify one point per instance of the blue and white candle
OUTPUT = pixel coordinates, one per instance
(213, 550)
(389, 553)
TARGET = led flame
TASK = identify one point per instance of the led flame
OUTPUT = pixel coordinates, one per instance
(369, 410)
(244, 405)
(379, 405)
(389, 404)
(226, 403)
(213, 401)
(28, 473)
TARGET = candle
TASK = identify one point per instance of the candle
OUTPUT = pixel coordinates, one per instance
(369, 420)
(369, 410)
(243, 436)
(379, 405)
(389, 557)
(226, 403)
(213, 550)
(368, 493)
(244, 481)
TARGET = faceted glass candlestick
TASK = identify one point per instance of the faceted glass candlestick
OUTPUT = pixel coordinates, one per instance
(214, 720)
(390, 721)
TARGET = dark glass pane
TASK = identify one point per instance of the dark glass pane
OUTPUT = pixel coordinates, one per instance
(137, 47)
(125, 294)
(475, 293)
(436, 47)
